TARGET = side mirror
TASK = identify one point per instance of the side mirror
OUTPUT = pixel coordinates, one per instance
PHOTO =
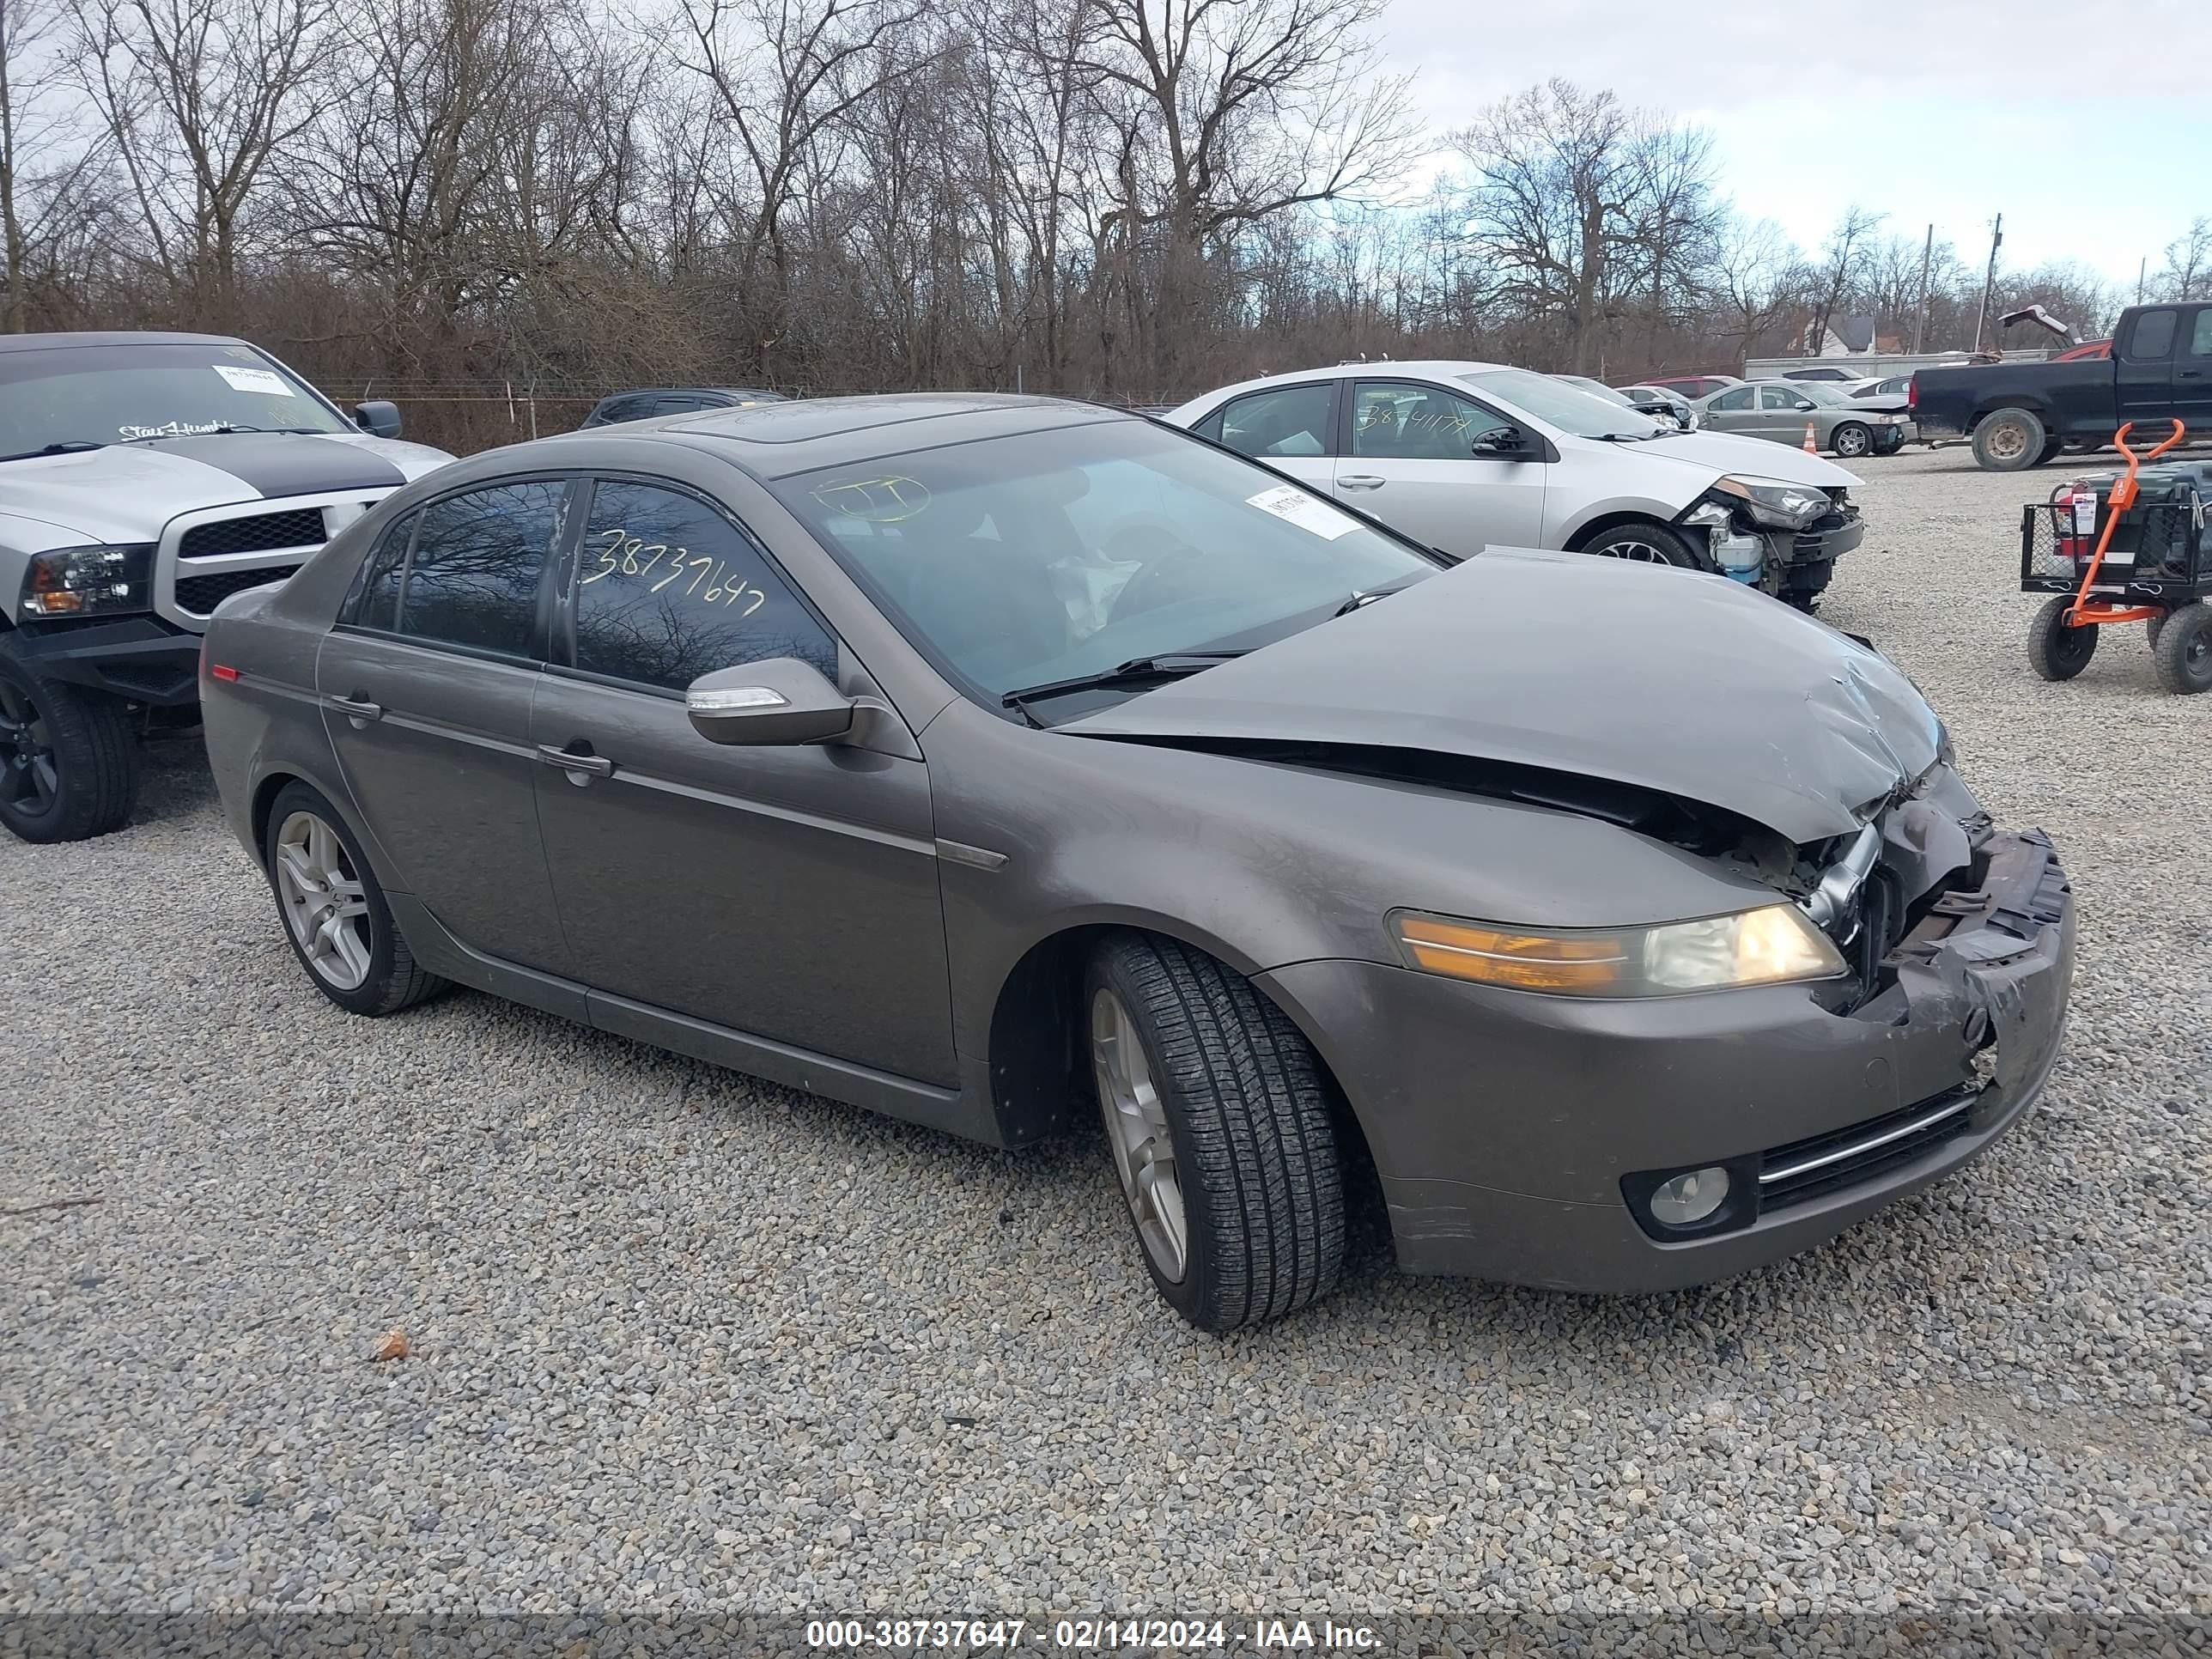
(379, 417)
(1507, 443)
(1806, 404)
(781, 701)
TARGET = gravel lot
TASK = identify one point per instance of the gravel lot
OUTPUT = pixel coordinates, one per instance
(685, 1340)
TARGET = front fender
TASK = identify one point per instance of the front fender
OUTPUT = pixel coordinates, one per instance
(1040, 834)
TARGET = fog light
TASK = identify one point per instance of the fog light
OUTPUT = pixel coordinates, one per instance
(1689, 1199)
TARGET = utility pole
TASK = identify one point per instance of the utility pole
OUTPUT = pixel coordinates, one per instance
(1920, 323)
(1989, 282)
(2141, 266)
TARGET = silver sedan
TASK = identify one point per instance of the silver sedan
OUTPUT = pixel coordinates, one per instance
(1782, 410)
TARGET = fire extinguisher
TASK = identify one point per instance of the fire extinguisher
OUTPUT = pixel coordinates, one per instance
(2075, 508)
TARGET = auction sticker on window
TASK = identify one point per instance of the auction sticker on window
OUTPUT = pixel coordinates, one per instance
(1310, 514)
(254, 379)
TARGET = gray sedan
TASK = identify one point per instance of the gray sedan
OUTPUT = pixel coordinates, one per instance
(1781, 409)
(992, 762)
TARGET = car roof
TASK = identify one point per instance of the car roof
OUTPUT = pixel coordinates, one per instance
(775, 439)
(120, 337)
(688, 391)
(1436, 368)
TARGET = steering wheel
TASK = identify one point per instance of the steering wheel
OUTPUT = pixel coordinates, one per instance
(1165, 554)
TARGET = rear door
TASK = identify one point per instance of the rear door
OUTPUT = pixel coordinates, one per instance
(1734, 410)
(2143, 368)
(1408, 457)
(789, 893)
(427, 684)
(1291, 428)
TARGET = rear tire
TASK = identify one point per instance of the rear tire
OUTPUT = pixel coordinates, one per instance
(1646, 541)
(68, 760)
(2009, 440)
(2052, 449)
(2054, 650)
(2183, 650)
(333, 910)
(1219, 1115)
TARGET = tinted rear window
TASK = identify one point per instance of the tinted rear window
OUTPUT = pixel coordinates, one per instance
(478, 556)
(2152, 338)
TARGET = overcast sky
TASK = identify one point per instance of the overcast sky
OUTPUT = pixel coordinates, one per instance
(2088, 125)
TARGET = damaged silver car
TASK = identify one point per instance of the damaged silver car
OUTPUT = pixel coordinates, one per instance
(996, 762)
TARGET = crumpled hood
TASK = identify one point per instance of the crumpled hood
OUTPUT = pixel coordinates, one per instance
(1673, 681)
(127, 492)
(1735, 451)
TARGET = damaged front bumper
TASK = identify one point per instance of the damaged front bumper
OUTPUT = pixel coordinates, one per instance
(1515, 1134)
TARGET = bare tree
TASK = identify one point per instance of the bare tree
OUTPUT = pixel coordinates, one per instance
(1588, 211)
(2187, 273)
(197, 96)
(1845, 260)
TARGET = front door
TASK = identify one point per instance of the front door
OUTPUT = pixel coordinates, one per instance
(1410, 460)
(2142, 373)
(425, 687)
(2192, 373)
(786, 893)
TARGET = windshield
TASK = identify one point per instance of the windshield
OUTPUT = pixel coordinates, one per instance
(1569, 408)
(106, 394)
(1023, 561)
(1821, 392)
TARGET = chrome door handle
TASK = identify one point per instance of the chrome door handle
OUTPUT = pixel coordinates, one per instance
(1360, 481)
(360, 710)
(596, 766)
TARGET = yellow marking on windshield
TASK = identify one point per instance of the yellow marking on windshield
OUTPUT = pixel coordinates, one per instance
(891, 500)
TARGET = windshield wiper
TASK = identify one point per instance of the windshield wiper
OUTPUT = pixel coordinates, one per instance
(1138, 671)
(1364, 596)
(73, 446)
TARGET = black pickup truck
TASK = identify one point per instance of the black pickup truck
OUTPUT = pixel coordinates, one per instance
(2021, 414)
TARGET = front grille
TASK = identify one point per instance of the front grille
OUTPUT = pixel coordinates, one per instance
(1805, 1169)
(257, 533)
(199, 595)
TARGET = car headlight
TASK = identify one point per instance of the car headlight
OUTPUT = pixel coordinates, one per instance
(1773, 945)
(1775, 501)
(89, 581)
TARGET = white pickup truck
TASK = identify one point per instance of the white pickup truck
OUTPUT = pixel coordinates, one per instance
(144, 478)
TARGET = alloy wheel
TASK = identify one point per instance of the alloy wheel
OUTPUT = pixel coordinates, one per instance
(324, 903)
(1137, 1126)
(1635, 551)
(1850, 441)
(29, 780)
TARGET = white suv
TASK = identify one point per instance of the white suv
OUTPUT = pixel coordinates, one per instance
(1463, 456)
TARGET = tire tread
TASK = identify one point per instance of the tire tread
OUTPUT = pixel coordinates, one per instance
(2170, 649)
(1254, 1105)
(100, 779)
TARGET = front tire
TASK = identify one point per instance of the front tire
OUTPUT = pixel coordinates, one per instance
(333, 910)
(2056, 650)
(1850, 441)
(1644, 541)
(1217, 1114)
(2010, 440)
(69, 761)
(2182, 649)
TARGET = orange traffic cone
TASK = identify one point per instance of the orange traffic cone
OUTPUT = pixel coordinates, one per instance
(1808, 446)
